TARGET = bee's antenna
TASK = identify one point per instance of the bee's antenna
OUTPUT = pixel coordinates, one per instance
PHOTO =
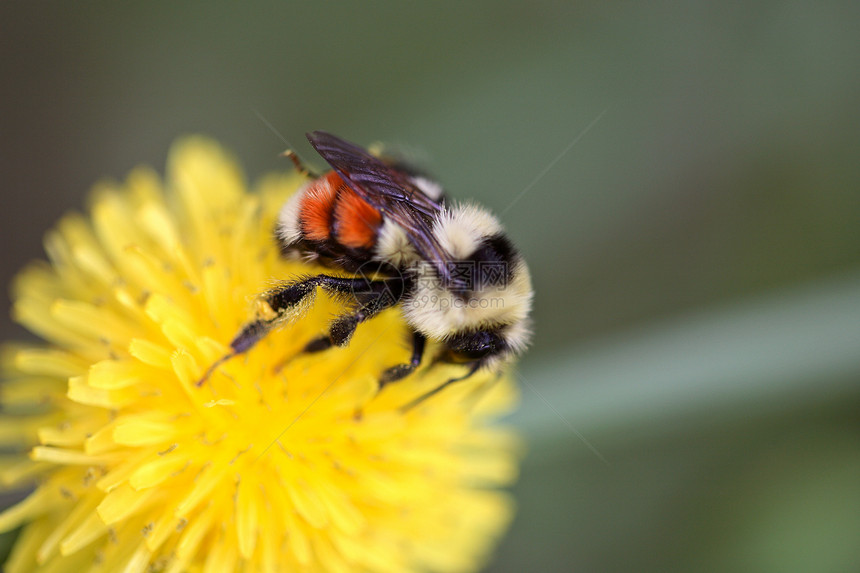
(300, 167)
(289, 152)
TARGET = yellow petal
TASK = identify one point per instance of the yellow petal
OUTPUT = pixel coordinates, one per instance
(192, 535)
(74, 519)
(307, 504)
(30, 391)
(80, 391)
(22, 558)
(140, 469)
(112, 374)
(88, 531)
(158, 470)
(69, 457)
(92, 321)
(124, 501)
(208, 478)
(247, 515)
(141, 432)
(120, 473)
(34, 504)
(49, 362)
(221, 558)
(23, 471)
(139, 561)
(150, 353)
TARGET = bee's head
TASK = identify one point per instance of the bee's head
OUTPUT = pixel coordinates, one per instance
(484, 287)
(488, 344)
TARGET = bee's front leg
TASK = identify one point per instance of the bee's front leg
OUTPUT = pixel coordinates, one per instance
(473, 367)
(278, 304)
(373, 296)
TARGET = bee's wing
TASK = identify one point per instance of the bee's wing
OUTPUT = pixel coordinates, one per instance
(387, 189)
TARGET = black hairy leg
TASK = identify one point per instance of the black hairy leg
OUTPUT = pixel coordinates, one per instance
(378, 296)
(372, 295)
(285, 297)
(401, 371)
(250, 334)
(473, 349)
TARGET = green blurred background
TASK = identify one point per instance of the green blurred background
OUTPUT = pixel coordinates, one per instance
(684, 178)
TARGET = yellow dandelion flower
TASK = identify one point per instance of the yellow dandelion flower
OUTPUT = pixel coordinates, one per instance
(282, 461)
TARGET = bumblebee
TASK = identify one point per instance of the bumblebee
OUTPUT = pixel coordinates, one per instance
(450, 268)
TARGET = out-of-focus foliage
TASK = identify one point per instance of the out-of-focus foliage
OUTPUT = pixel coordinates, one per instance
(694, 251)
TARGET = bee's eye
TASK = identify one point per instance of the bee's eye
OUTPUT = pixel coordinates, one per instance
(476, 345)
(492, 263)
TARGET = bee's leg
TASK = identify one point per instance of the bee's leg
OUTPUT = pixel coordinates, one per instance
(318, 344)
(284, 297)
(381, 294)
(403, 370)
(281, 300)
(475, 395)
(250, 334)
(473, 367)
(341, 330)
(300, 167)
(377, 295)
